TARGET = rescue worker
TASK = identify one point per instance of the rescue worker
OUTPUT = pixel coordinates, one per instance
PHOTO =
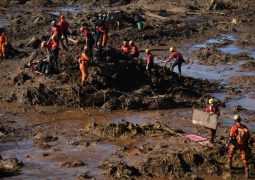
(124, 48)
(89, 41)
(212, 109)
(105, 35)
(149, 62)
(3, 45)
(238, 140)
(84, 65)
(98, 52)
(56, 30)
(100, 29)
(178, 59)
(53, 48)
(134, 53)
(63, 24)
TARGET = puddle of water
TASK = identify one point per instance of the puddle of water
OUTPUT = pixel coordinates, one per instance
(247, 102)
(231, 49)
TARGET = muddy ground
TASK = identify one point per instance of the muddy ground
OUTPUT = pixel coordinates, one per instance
(52, 125)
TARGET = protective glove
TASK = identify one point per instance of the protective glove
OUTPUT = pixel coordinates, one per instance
(165, 61)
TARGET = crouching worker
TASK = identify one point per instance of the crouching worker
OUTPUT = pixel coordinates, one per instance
(212, 109)
(3, 45)
(134, 53)
(238, 140)
(84, 65)
(178, 60)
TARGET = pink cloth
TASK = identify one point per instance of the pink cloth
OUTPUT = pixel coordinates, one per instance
(195, 138)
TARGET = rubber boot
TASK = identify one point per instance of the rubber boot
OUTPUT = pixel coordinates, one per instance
(247, 174)
(83, 83)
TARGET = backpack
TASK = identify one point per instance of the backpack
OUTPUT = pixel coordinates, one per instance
(242, 135)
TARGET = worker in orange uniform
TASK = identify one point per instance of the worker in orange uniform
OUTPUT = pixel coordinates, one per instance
(212, 109)
(3, 44)
(124, 48)
(63, 25)
(134, 53)
(149, 62)
(84, 65)
(238, 140)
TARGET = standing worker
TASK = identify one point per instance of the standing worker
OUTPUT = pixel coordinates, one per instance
(134, 53)
(100, 29)
(3, 44)
(53, 48)
(178, 59)
(89, 41)
(56, 30)
(63, 24)
(149, 62)
(84, 65)
(238, 139)
(212, 109)
(105, 35)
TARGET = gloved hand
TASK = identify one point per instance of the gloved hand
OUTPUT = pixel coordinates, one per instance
(165, 61)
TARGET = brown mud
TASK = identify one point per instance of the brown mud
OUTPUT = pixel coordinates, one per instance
(42, 135)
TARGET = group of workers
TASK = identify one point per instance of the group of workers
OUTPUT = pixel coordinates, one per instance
(239, 137)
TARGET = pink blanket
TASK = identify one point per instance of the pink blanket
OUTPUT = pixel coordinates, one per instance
(195, 138)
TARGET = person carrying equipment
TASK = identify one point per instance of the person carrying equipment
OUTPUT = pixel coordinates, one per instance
(3, 45)
(63, 24)
(56, 30)
(89, 41)
(149, 62)
(124, 48)
(84, 65)
(178, 59)
(134, 53)
(238, 140)
(212, 109)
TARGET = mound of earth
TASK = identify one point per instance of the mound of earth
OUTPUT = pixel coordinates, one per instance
(213, 56)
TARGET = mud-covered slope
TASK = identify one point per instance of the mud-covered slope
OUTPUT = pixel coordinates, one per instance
(115, 83)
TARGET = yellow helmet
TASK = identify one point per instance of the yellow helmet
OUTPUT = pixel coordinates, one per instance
(171, 49)
(211, 101)
(236, 117)
(147, 50)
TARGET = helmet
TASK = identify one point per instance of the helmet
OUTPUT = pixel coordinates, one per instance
(85, 48)
(81, 29)
(211, 101)
(171, 49)
(131, 42)
(236, 117)
(62, 17)
(43, 44)
(147, 50)
(125, 42)
(53, 23)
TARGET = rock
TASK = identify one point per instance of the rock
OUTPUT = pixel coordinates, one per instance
(71, 164)
(11, 164)
(44, 136)
(21, 78)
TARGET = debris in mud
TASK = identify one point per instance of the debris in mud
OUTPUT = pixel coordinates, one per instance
(44, 136)
(71, 164)
(10, 165)
(213, 56)
(83, 176)
(119, 170)
(248, 66)
(127, 129)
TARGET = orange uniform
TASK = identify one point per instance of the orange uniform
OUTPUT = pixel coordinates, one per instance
(3, 43)
(237, 132)
(84, 66)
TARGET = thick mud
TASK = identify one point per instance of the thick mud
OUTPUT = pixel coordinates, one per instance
(43, 137)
